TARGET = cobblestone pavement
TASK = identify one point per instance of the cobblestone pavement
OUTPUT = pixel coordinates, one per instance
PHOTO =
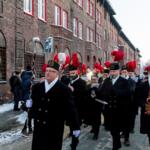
(138, 141)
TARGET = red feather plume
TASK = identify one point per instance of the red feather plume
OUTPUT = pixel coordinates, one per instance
(56, 58)
(98, 68)
(44, 67)
(75, 60)
(131, 65)
(147, 68)
(107, 64)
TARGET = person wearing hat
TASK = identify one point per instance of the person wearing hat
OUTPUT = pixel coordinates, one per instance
(16, 88)
(143, 95)
(78, 87)
(132, 105)
(115, 91)
(52, 105)
(94, 107)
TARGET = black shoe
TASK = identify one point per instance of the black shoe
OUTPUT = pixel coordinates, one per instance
(30, 131)
(91, 130)
(16, 109)
(25, 133)
(127, 143)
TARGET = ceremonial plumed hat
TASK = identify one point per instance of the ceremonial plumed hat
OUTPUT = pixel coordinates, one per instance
(106, 71)
(124, 67)
(114, 66)
(53, 64)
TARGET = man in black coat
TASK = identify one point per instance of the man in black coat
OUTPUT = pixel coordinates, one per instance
(52, 106)
(115, 91)
(94, 107)
(143, 95)
(78, 87)
(132, 105)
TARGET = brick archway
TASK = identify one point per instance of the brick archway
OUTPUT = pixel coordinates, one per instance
(2, 57)
(34, 56)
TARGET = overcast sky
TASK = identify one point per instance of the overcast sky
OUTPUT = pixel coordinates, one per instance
(134, 18)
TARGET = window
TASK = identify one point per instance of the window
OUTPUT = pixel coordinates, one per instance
(98, 17)
(1, 7)
(80, 30)
(28, 6)
(57, 15)
(75, 27)
(42, 9)
(99, 42)
(91, 35)
(65, 19)
(80, 3)
(2, 57)
(87, 34)
(91, 9)
(88, 6)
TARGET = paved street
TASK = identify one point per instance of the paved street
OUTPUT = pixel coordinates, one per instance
(11, 138)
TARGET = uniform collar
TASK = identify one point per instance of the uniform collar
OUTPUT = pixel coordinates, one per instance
(75, 80)
(48, 86)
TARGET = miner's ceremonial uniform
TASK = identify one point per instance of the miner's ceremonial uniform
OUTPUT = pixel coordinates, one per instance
(52, 106)
(116, 94)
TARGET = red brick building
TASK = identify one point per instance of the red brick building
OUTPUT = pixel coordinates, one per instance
(31, 31)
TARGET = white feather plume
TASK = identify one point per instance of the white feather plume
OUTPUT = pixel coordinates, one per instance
(61, 58)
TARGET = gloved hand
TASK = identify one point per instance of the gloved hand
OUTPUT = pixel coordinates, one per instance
(76, 133)
(29, 103)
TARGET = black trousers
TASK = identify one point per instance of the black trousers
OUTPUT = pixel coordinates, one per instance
(116, 139)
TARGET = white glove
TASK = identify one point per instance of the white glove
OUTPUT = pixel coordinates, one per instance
(29, 103)
(76, 133)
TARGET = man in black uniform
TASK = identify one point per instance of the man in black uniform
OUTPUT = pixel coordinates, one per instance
(78, 87)
(94, 107)
(143, 95)
(52, 106)
(115, 91)
(132, 105)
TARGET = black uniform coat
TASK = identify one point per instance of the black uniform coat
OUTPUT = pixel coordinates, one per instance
(142, 92)
(117, 97)
(94, 107)
(49, 111)
(79, 94)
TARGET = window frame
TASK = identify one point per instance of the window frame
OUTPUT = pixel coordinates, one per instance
(27, 11)
(65, 23)
(43, 18)
(59, 17)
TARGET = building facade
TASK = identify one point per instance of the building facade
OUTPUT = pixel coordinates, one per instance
(32, 31)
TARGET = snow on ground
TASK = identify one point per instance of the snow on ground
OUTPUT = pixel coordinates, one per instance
(10, 136)
(6, 107)
(21, 117)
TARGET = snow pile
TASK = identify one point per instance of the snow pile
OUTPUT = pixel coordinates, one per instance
(6, 107)
(10, 136)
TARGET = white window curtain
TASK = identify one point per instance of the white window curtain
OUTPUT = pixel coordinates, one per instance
(80, 3)
(80, 30)
(41, 9)
(74, 26)
(87, 34)
(65, 19)
(57, 15)
(28, 6)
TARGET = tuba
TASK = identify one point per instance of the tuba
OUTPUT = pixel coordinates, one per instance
(147, 105)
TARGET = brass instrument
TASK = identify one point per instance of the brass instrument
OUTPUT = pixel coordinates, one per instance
(147, 105)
